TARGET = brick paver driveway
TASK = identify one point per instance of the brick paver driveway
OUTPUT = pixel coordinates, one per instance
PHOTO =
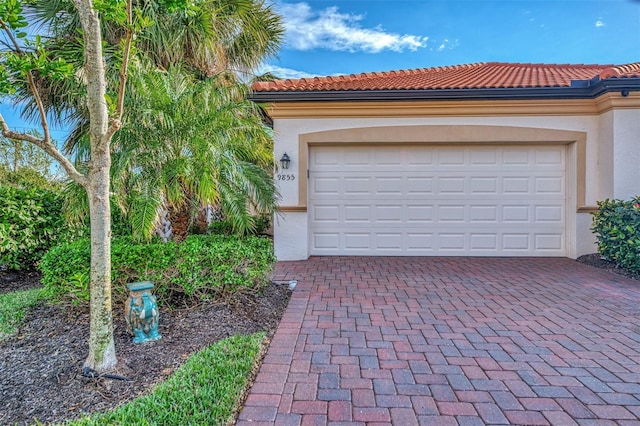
(448, 341)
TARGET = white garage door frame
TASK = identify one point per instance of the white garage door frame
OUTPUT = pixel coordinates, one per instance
(574, 141)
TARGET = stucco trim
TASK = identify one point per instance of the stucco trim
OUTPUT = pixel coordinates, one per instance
(610, 101)
(450, 134)
(460, 108)
(292, 209)
(587, 209)
(476, 108)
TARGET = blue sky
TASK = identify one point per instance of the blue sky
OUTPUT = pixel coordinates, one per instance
(354, 36)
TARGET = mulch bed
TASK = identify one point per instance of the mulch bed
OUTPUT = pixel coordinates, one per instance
(597, 261)
(40, 366)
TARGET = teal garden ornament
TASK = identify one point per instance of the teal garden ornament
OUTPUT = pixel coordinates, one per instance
(141, 312)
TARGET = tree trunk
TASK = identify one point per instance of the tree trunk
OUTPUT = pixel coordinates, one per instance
(180, 218)
(15, 155)
(102, 355)
(201, 221)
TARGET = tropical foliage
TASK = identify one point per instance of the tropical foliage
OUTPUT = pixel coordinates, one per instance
(189, 137)
(31, 222)
(77, 74)
(17, 155)
(189, 143)
(193, 270)
(617, 228)
(25, 63)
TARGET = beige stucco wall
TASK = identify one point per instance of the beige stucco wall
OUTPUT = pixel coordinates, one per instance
(626, 153)
(612, 139)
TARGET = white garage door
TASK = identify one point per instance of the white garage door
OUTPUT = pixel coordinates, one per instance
(417, 200)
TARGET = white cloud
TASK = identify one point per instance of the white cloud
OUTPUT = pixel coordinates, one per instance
(283, 73)
(308, 29)
(448, 45)
(599, 23)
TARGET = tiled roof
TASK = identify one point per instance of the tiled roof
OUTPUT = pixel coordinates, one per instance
(485, 75)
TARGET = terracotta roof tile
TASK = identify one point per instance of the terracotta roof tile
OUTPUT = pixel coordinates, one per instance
(484, 75)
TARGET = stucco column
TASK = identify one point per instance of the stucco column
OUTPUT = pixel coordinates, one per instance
(626, 153)
(290, 226)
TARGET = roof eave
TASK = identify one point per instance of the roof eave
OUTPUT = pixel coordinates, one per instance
(589, 90)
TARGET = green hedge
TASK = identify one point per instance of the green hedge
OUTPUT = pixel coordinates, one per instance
(31, 221)
(617, 228)
(193, 268)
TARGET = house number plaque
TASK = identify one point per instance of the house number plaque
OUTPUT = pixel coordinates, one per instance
(285, 177)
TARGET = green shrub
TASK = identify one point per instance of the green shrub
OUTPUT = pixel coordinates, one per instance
(31, 221)
(193, 268)
(617, 228)
(261, 223)
(26, 177)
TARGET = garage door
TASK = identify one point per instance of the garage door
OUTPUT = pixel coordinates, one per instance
(417, 200)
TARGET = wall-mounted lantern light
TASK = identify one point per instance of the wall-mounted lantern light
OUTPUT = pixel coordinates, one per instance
(284, 161)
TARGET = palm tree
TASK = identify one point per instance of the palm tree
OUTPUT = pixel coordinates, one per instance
(213, 37)
(190, 143)
(172, 151)
(220, 36)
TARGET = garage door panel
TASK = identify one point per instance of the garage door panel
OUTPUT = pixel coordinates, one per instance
(389, 186)
(325, 158)
(355, 157)
(417, 242)
(483, 185)
(451, 157)
(451, 185)
(549, 185)
(419, 185)
(326, 213)
(480, 241)
(357, 213)
(451, 241)
(516, 213)
(442, 213)
(388, 157)
(389, 214)
(484, 158)
(357, 241)
(356, 185)
(428, 200)
(418, 213)
(451, 213)
(515, 242)
(549, 157)
(549, 214)
(516, 185)
(326, 241)
(390, 241)
(420, 158)
(483, 214)
(548, 242)
(326, 186)
(515, 157)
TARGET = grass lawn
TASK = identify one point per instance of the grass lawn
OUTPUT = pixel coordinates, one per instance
(13, 308)
(206, 390)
